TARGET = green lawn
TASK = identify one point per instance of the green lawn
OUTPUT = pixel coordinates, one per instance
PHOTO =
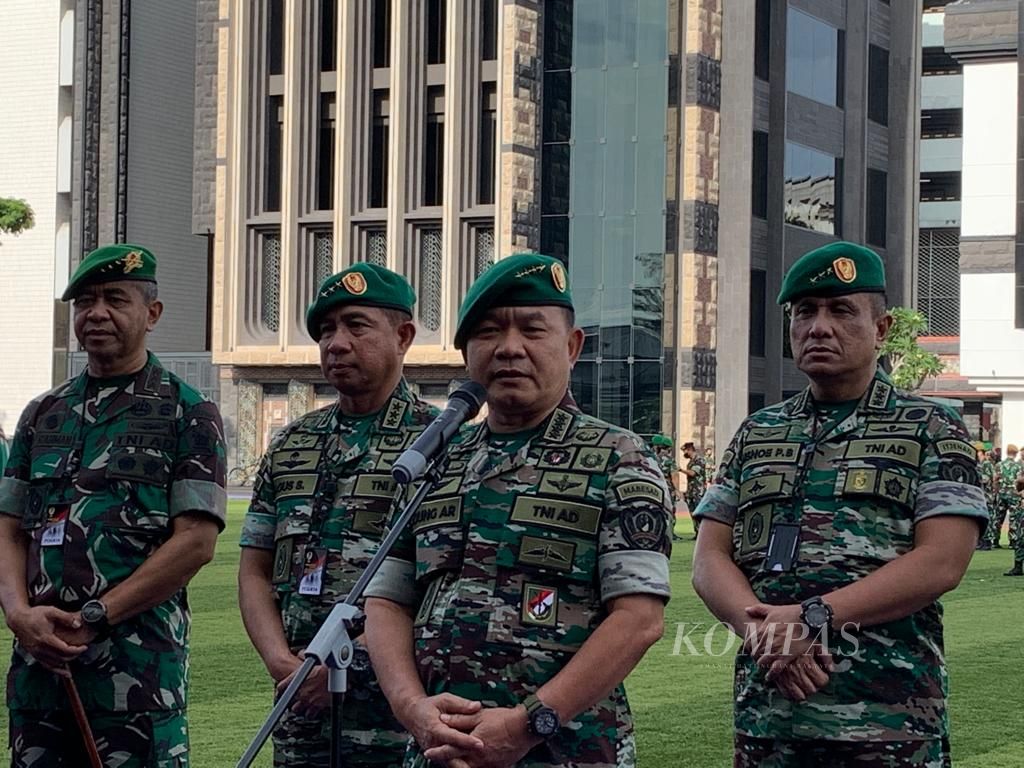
(682, 703)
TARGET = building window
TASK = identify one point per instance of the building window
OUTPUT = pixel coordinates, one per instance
(379, 133)
(270, 280)
(377, 246)
(431, 277)
(435, 31)
(272, 173)
(489, 30)
(876, 203)
(759, 176)
(433, 150)
(813, 189)
(488, 143)
(275, 37)
(938, 280)
(755, 402)
(483, 248)
(325, 154)
(323, 257)
(556, 122)
(942, 123)
(328, 35)
(878, 84)
(762, 38)
(940, 185)
(758, 299)
(814, 66)
(381, 33)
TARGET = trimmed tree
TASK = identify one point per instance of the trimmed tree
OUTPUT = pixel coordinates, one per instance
(15, 216)
(911, 364)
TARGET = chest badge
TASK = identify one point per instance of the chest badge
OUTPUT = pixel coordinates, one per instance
(540, 606)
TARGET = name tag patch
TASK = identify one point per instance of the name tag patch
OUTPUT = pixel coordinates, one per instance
(956, 448)
(557, 513)
(897, 449)
(290, 486)
(377, 486)
(770, 453)
(433, 514)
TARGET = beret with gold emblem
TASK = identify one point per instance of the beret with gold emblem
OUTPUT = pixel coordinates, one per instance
(120, 261)
(836, 269)
(364, 284)
(521, 280)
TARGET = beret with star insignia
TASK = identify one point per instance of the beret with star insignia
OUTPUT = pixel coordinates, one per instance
(836, 269)
(111, 263)
(521, 280)
(365, 284)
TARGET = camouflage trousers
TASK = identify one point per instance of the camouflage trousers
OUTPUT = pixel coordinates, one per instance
(752, 752)
(1017, 533)
(1003, 507)
(370, 734)
(51, 739)
(691, 504)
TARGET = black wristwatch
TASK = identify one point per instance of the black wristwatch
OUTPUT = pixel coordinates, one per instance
(544, 721)
(94, 614)
(816, 614)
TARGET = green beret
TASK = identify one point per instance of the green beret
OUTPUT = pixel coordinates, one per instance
(121, 261)
(661, 440)
(521, 280)
(836, 269)
(362, 284)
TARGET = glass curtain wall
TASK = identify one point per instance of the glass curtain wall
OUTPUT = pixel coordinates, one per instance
(617, 203)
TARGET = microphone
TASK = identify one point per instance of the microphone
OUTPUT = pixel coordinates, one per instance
(463, 405)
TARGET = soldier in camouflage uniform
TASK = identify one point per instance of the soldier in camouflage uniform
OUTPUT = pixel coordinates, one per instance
(1007, 499)
(987, 473)
(532, 580)
(322, 492)
(696, 472)
(112, 500)
(837, 519)
(663, 449)
(1009, 476)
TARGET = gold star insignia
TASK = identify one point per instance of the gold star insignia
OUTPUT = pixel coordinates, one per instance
(132, 261)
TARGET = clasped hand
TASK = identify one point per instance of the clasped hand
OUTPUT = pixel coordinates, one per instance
(460, 733)
(786, 651)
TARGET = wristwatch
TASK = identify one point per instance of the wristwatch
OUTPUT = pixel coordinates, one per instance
(94, 614)
(543, 720)
(816, 614)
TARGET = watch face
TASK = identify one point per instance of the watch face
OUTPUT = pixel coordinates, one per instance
(817, 615)
(545, 722)
(93, 612)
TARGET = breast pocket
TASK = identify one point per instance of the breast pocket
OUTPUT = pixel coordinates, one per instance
(763, 493)
(876, 509)
(146, 478)
(546, 588)
(439, 530)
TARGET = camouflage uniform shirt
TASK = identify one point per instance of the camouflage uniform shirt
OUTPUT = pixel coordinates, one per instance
(856, 486)
(99, 469)
(321, 499)
(1007, 473)
(510, 562)
(696, 485)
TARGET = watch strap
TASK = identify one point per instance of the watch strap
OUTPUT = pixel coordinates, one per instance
(532, 703)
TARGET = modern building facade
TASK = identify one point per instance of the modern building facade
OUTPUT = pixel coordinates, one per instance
(101, 146)
(819, 142)
(37, 59)
(983, 37)
(618, 135)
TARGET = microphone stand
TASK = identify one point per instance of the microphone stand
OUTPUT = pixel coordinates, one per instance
(332, 645)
